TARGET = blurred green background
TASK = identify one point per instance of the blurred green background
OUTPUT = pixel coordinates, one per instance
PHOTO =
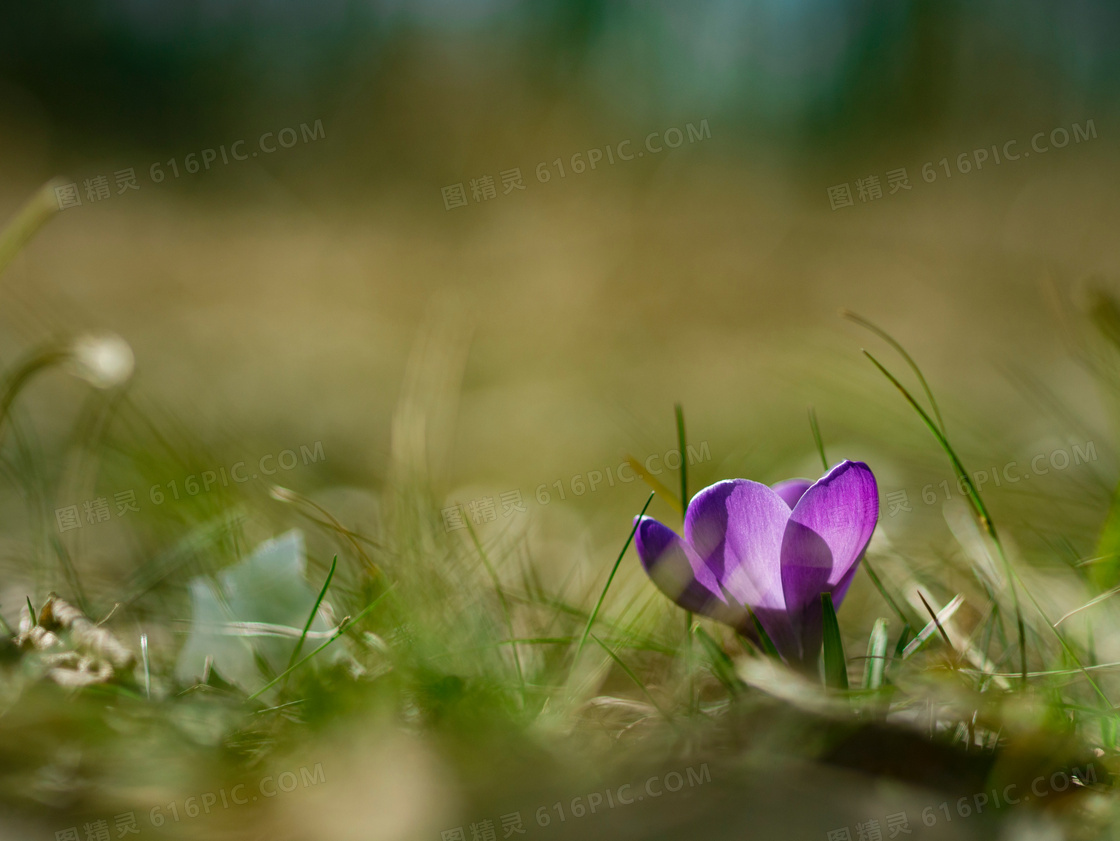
(281, 293)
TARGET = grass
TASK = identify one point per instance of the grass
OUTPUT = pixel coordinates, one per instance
(471, 666)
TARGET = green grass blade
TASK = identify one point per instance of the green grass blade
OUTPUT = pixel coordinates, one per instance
(994, 619)
(633, 677)
(877, 644)
(1105, 573)
(314, 611)
(655, 485)
(817, 436)
(346, 623)
(934, 625)
(989, 526)
(681, 441)
(1104, 313)
(835, 664)
(538, 641)
(903, 641)
(610, 578)
(937, 623)
(722, 667)
(39, 359)
(889, 339)
(891, 603)
(506, 613)
(764, 640)
(958, 468)
(977, 503)
(34, 214)
(280, 707)
(147, 666)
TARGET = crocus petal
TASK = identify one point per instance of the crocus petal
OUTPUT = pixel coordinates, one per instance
(736, 527)
(828, 531)
(791, 490)
(678, 572)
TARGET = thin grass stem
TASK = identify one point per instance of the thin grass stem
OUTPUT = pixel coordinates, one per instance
(343, 625)
(889, 339)
(618, 561)
(314, 612)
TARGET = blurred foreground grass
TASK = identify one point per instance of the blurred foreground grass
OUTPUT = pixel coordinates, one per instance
(461, 694)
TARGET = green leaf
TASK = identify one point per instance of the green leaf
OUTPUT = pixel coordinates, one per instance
(835, 664)
(876, 655)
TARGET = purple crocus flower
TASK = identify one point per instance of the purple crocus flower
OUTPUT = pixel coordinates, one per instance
(774, 550)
